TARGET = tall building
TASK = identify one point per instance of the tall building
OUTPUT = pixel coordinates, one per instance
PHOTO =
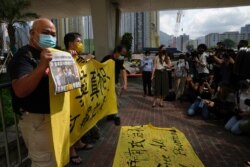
(165, 39)
(234, 36)
(245, 29)
(144, 27)
(181, 42)
(212, 39)
(193, 43)
(245, 36)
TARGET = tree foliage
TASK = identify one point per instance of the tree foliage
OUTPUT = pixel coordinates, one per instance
(190, 47)
(229, 44)
(127, 42)
(11, 12)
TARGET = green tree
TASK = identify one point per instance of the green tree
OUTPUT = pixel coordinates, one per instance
(229, 44)
(127, 42)
(11, 12)
(190, 47)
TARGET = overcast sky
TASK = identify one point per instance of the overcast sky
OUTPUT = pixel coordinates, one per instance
(200, 22)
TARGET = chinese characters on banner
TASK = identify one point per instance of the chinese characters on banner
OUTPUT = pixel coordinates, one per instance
(154, 147)
(75, 112)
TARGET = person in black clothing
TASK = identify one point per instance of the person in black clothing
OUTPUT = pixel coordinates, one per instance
(204, 93)
(30, 85)
(119, 50)
(241, 67)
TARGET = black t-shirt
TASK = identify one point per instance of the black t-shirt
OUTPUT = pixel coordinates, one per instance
(118, 66)
(23, 63)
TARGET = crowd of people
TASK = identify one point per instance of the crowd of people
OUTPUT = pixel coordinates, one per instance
(216, 82)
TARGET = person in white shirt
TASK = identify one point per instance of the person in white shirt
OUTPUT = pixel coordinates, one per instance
(160, 76)
(181, 73)
(147, 67)
(201, 62)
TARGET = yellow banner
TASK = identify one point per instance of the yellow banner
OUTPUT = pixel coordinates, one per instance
(154, 147)
(75, 112)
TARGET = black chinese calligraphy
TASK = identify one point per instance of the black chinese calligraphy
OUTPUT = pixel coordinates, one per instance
(73, 122)
(159, 143)
(94, 87)
(137, 143)
(133, 162)
(84, 88)
(178, 146)
(103, 80)
(166, 161)
(135, 132)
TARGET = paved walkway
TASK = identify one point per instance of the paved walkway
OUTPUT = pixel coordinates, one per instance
(214, 146)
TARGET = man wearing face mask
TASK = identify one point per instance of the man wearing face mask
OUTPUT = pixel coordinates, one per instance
(147, 67)
(30, 85)
(201, 62)
(116, 56)
(74, 45)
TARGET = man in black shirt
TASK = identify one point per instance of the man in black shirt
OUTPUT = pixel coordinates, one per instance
(29, 75)
(119, 50)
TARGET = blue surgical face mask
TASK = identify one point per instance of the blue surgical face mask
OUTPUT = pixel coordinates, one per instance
(47, 41)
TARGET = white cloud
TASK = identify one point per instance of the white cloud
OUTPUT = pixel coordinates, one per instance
(200, 22)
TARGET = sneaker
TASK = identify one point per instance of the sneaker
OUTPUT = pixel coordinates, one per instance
(117, 121)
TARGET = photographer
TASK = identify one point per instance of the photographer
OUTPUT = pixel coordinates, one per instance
(242, 110)
(204, 92)
(224, 60)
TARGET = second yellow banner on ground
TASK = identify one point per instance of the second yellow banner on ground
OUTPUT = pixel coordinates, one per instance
(149, 146)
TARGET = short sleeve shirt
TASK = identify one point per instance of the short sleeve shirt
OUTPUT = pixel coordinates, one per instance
(118, 66)
(24, 63)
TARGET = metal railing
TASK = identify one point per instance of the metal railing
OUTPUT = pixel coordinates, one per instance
(5, 132)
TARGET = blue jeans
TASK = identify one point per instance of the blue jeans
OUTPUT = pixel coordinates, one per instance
(198, 104)
(234, 125)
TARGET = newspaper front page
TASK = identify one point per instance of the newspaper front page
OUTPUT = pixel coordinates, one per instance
(64, 72)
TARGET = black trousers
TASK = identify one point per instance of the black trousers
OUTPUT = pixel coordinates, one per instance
(146, 78)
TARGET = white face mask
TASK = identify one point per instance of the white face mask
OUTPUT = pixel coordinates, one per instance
(121, 58)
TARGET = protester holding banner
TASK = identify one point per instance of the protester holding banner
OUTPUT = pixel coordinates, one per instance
(118, 52)
(30, 84)
(74, 45)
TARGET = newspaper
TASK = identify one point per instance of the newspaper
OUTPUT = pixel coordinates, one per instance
(64, 72)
